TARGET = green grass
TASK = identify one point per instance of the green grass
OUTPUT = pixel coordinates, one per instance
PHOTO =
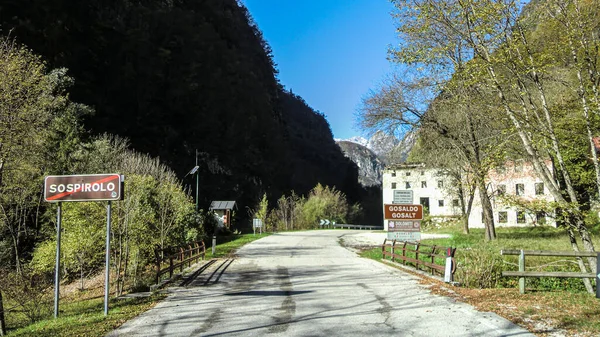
(84, 315)
(227, 245)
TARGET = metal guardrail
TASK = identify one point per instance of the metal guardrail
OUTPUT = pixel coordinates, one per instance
(422, 257)
(521, 274)
(348, 226)
(170, 259)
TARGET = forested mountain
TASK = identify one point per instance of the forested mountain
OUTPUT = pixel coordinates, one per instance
(176, 76)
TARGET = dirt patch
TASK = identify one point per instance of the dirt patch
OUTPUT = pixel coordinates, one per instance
(543, 313)
(92, 287)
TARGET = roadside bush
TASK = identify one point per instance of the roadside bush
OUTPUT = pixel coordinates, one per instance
(479, 266)
(27, 293)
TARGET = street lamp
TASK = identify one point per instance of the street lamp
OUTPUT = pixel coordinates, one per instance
(194, 170)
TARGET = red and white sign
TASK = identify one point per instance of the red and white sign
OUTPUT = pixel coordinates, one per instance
(90, 187)
(402, 212)
(404, 226)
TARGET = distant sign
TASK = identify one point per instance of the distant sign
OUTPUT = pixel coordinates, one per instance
(402, 212)
(403, 197)
(257, 223)
(404, 236)
(90, 187)
(404, 226)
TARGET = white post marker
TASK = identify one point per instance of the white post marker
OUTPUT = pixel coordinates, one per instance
(57, 267)
(598, 276)
(448, 270)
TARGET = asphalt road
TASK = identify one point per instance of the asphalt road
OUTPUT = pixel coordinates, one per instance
(306, 284)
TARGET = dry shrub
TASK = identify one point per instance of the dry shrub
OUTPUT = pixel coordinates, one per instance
(29, 294)
(479, 266)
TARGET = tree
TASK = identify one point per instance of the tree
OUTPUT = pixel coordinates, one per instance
(34, 109)
(452, 117)
(494, 36)
(324, 202)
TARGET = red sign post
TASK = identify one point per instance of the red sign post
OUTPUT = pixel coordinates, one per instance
(83, 187)
(90, 187)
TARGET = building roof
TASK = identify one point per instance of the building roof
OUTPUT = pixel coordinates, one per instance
(222, 205)
(399, 166)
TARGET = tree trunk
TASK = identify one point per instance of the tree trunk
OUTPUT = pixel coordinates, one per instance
(2, 321)
(486, 207)
(582, 267)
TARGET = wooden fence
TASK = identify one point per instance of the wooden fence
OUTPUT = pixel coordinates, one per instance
(171, 259)
(522, 273)
(435, 259)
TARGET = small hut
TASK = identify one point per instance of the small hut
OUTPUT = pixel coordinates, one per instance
(222, 210)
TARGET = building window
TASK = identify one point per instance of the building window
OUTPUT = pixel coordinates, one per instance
(455, 203)
(520, 189)
(502, 217)
(540, 218)
(520, 217)
(422, 173)
(407, 184)
(441, 203)
(393, 173)
(423, 184)
(407, 174)
(440, 183)
(501, 189)
(539, 188)
(393, 186)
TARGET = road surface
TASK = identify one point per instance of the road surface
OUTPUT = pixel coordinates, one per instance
(306, 284)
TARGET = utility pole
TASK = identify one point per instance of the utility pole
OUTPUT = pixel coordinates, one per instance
(195, 171)
(197, 180)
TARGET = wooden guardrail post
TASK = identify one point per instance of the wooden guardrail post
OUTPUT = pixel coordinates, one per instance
(404, 253)
(522, 269)
(393, 249)
(433, 259)
(180, 259)
(417, 255)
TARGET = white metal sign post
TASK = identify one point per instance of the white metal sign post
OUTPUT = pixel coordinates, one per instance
(90, 187)
(57, 267)
(107, 275)
(257, 223)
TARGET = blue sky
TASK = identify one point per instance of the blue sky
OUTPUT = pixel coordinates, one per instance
(330, 52)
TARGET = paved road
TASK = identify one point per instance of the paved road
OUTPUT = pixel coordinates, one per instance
(306, 284)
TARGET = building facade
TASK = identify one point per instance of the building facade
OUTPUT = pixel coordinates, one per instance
(438, 193)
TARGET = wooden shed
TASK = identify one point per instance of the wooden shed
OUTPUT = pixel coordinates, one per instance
(222, 210)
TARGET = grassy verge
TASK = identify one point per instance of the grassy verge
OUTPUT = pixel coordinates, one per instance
(227, 245)
(85, 317)
(549, 303)
(82, 314)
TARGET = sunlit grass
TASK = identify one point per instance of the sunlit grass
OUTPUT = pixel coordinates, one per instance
(83, 314)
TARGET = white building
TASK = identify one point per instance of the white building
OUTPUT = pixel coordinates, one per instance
(438, 193)
(519, 179)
